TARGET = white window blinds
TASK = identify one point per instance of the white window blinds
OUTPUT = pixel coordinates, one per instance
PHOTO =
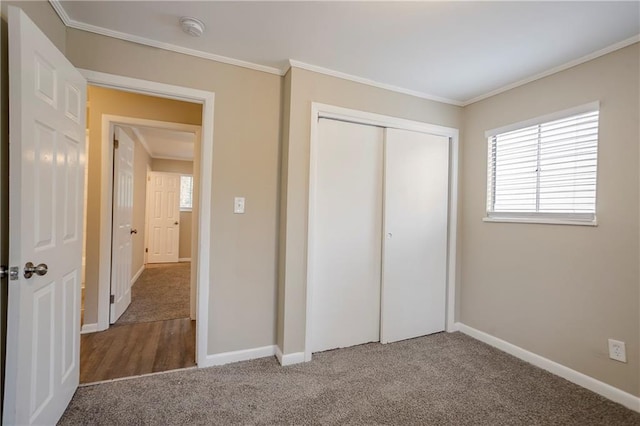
(545, 170)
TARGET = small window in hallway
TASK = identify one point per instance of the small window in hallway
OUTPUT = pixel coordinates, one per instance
(186, 192)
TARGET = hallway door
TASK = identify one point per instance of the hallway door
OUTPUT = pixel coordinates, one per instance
(164, 217)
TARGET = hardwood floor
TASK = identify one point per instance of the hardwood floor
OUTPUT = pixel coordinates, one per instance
(133, 349)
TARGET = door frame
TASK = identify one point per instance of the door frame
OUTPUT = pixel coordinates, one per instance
(203, 224)
(319, 110)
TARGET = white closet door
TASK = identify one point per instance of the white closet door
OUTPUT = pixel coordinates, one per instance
(347, 235)
(415, 241)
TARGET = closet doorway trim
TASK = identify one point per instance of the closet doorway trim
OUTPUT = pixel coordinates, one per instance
(319, 110)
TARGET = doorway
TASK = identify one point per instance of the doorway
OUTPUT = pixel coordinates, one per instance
(150, 309)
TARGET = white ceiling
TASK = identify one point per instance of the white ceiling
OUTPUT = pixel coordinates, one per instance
(453, 51)
(166, 144)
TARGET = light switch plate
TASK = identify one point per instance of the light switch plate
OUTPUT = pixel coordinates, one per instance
(238, 205)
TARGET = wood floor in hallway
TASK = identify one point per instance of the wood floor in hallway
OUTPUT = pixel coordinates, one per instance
(134, 349)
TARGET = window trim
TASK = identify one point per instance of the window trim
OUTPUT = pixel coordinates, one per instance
(584, 219)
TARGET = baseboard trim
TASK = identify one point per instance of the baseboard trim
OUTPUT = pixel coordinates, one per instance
(137, 275)
(289, 359)
(184, 259)
(614, 394)
(236, 356)
(89, 328)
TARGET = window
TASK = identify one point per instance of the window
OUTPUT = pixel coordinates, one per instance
(545, 172)
(186, 192)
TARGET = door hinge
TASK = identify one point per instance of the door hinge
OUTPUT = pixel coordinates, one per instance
(146, 250)
(116, 143)
(112, 299)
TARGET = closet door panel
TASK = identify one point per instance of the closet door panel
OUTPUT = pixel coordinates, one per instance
(415, 234)
(347, 235)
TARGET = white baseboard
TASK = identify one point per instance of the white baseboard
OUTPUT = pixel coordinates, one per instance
(588, 382)
(137, 275)
(89, 328)
(236, 356)
(184, 259)
(289, 359)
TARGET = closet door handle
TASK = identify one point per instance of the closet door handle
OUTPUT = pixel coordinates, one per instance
(389, 235)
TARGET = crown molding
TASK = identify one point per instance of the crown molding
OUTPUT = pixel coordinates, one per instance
(570, 64)
(326, 71)
(71, 23)
(369, 82)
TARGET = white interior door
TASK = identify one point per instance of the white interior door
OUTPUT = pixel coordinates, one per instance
(415, 243)
(122, 232)
(47, 98)
(347, 236)
(164, 217)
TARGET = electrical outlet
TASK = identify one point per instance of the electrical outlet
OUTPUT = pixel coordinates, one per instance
(617, 350)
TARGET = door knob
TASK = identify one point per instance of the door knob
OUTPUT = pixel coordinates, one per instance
(134, 231)
(30, 269)
(175, 223)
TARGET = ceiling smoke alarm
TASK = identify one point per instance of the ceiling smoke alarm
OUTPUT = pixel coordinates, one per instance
(192, 26)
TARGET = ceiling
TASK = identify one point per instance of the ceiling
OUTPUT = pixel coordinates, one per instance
(457, 52)
(164, 143)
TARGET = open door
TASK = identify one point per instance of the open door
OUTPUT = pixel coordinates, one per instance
(122, 220)
(164, 217)
(47, 98)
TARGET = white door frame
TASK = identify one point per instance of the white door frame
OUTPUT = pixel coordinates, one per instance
(206, 99)
(319, 110)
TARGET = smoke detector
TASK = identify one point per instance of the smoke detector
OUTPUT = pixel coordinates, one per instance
(192, 26)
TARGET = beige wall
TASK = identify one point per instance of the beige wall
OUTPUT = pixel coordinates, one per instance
(560, 291)
(141, 160)
(112, 102)
(242, 262)
(186, 217)
(307, 87)
(45, 17)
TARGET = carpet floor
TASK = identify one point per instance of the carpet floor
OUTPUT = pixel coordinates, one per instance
(160, 293)
(442, 379)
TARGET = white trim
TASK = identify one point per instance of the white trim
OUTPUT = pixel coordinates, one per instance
(237, 356)
(329, 111)
(540, 220)
(591, 56)
(184, 259)
(89, 328)
(120, 379)
(207, 100)
(289, 359)
(369, 82)
(137, 275)
(621, 397)
(168, 157)
(558, 115)
(71, 23)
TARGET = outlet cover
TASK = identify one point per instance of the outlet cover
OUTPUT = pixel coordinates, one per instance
(617, 350)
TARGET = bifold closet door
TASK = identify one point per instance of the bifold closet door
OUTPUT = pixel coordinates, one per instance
(347, 235)
(415, 240)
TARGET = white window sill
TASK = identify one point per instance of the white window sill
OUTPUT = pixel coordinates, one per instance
(541, 220)
(185, 209)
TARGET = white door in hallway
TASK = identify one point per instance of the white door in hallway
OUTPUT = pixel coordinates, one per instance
(47, 99)
(164, 217)
(122, 232)
(414, 281)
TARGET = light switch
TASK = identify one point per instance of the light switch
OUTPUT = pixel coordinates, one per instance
(238, 205)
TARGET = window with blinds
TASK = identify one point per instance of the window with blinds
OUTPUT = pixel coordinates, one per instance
(546, 170)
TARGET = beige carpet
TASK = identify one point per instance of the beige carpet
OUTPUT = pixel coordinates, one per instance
(443, 379)
(160, 293)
